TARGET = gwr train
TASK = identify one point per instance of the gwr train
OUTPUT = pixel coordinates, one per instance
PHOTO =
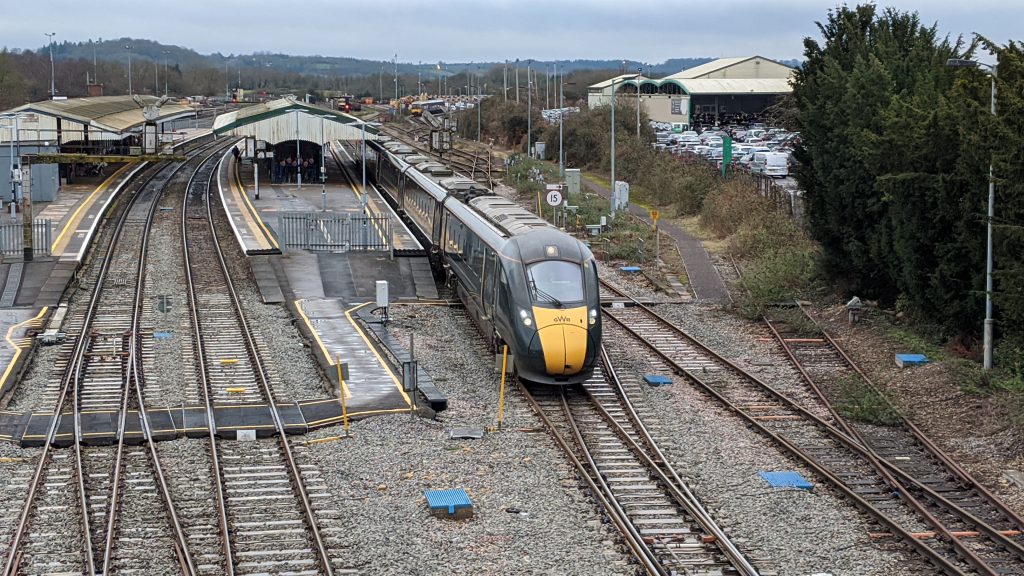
(524, 282)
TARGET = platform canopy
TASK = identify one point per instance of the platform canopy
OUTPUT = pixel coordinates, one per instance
(96, 118)
(286, 119)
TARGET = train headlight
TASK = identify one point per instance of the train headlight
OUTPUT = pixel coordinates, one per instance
(593, 316)
(526, 318)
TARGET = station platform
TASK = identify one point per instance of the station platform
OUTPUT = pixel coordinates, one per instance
(327, 289)
(100, 427)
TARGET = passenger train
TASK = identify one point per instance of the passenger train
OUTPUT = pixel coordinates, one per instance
(524, 282)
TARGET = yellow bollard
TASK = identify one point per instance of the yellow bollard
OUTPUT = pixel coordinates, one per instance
(341, 393)
(501, 394)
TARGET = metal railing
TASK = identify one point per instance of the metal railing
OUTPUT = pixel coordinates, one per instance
(12, 238)
(334, 232)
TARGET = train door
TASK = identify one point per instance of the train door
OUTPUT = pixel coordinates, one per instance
(487, 287)
(503, 313)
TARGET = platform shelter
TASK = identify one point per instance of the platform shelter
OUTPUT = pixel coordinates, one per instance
(288, 137)
(95, 126)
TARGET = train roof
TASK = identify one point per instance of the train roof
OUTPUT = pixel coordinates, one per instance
(508, 215)
(500, 214)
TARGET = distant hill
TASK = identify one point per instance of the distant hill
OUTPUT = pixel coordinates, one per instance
(185, 58)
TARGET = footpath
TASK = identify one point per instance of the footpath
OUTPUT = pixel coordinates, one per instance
(706, 283)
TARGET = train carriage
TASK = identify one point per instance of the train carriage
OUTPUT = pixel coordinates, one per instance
(524, 282)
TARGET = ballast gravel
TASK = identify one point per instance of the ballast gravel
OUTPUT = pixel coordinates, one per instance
(529, 517)
(530, 510)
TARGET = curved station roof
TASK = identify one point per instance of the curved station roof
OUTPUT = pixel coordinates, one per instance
(101, 117)
(287, 119)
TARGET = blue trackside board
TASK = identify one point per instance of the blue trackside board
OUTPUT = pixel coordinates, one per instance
(449, 500)
(657, 380)
(786, 479)
(910, 359)
(630, 269)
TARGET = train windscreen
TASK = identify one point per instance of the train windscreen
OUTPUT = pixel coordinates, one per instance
(556, 281)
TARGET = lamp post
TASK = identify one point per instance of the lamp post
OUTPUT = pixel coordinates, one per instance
(614, 80)
(987, 342)
(323, 167)
(639, 72)
(15, 173)
(529, 106)
(129, 48)
(517, 79)
(53, 86)
(561, 120)
(166, 52)
(396, 80)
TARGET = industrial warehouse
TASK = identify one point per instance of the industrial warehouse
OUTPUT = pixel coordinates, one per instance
(721, 91)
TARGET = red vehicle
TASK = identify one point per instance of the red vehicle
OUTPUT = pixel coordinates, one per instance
(349, 104)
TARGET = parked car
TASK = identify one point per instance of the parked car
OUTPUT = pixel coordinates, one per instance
(775, 164)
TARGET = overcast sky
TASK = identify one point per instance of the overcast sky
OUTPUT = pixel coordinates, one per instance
(477, 30)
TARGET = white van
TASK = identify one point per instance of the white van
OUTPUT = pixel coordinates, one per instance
(775, 164)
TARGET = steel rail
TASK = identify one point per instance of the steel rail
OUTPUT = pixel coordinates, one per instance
(222, 517)
(133, 376)
(890, 471)
(261, 375)
(879, 465)
(601, 493)
(69, 383)
(71, 375)
(849, 443)
(924, 440)
(661, 466)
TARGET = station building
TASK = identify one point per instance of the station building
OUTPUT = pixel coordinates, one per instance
(716, 92)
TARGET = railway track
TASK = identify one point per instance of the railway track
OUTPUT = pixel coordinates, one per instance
(664, 525)
(101, 379)
(793, 418)
(265, 514)
(962, 504)
(480, 166)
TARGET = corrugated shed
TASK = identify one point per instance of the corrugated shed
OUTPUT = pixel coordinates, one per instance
(737, 86)
(709, 67)
(285, 119)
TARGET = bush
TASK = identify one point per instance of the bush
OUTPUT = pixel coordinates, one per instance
(861, 403)
(777, 277)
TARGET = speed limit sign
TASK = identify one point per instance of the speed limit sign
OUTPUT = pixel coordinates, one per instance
(554, 198)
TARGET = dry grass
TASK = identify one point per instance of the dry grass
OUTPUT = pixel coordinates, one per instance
(693, 226)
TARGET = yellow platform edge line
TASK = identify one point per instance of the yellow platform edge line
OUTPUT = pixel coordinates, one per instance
(254, 214)
(17, 349)
(372, 348)
(323, 348)
(75, 216)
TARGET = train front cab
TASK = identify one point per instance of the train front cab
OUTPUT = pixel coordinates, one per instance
(550, 298)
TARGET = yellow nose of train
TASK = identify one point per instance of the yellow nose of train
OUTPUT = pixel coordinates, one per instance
(563, 336)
